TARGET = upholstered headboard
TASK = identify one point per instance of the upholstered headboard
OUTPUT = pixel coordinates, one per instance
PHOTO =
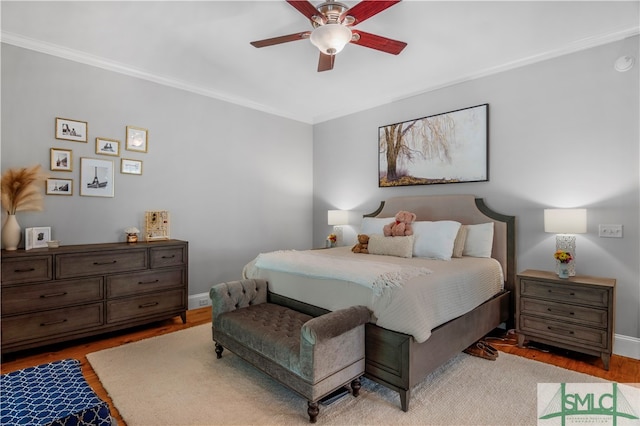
(468, 210)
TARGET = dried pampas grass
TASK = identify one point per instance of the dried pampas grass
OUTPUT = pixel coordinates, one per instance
(21, 189)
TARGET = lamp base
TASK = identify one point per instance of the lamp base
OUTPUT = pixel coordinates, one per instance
(567, 242)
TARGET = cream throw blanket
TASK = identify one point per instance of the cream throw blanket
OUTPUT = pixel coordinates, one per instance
(375, 275)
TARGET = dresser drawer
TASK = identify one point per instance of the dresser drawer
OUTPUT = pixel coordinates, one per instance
(39, 297)
(142, 306)
(47, 324)
(564, 332)
(105, 262)
(27, 270)
(144, 282)
(593, 296)
(562, 311)
(161, 257)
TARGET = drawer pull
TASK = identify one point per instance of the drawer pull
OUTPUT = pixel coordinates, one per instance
(570, 294)
(148, 305)
(105, 263)
(569, 331)
(24, 270)
(562, 312)
(169, 257)
(44, 296)
(148, 282)
(44, 324)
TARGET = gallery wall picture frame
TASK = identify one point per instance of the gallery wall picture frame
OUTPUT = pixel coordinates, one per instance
(37, 237)
(130, 167)
(96, 177)
(56, 186)
(71, 130)
(106, 146)
(137, 139)
(451, 147)
(61, 160)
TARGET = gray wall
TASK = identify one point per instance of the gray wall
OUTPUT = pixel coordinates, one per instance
(563, 133)
(235, 181)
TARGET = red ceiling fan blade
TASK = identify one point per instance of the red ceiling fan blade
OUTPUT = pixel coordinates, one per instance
(325, 63)
(304, 7)
(377, 42)
(281, 39)
(367, 8)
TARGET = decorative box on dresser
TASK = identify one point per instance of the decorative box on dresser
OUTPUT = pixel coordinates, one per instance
(54, 295)
(576, 313)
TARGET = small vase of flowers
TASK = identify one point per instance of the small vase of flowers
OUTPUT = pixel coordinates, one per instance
(332, 240)
(563, 258)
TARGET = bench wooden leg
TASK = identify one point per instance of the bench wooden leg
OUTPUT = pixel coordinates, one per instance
(355, 387)
(219, 350)
(313, 411)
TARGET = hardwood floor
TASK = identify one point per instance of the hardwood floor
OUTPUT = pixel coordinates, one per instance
(622, 369)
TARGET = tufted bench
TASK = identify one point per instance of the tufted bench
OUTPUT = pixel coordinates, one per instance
(311, 356)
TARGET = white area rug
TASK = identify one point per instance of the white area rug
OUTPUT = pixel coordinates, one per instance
(175, 379)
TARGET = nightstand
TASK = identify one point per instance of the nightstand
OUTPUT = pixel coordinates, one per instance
(575, 313)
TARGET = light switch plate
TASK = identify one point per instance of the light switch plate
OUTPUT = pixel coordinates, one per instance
(610, 231)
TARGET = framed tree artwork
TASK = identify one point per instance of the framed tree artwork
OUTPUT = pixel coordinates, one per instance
(451, 147)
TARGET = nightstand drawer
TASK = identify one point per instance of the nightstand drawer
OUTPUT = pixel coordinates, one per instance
(144, 282)
(593, 296)
(562, 311)
(49, 323)
(39, 297)
(105, 262)
(563, 331)
(27, 270)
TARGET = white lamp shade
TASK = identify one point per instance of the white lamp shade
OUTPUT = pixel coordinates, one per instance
(330, 38)
(565, 221)
(338, 217)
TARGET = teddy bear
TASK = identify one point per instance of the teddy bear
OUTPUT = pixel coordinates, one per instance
(363, 244)
(401, 226)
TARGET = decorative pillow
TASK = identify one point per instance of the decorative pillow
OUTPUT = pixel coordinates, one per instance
(434, 240)
(391, 246)
(479, 240)
(458, 244)
(373, 225)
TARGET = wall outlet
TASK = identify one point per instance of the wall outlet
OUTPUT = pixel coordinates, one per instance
(203, 302)
(610, 231)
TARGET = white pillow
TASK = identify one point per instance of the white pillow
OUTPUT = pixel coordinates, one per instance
(479, 240)
(374, 225)
(391, 246)
(434, 240)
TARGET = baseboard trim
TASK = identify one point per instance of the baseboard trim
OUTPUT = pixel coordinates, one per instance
(626, 346)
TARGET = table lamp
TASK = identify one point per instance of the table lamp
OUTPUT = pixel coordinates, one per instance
(338, 218)
(565, 223)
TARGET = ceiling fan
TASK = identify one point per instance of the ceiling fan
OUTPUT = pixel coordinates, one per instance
(333, 24)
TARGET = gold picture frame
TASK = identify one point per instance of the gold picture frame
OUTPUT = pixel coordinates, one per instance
(130, 167)
(56, 186)
(137, 139)
(71, 130)
(61, 160)
(106, 146)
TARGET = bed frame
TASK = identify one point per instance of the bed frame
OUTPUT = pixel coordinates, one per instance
(395, 359)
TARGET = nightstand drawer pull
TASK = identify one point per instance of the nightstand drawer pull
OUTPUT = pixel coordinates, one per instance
(113, 262)
(148, 305)
(559, 329)
(148, 282)
(24, 270)
(44, 324)
(62, 293)
(570, 294)
(560, 311)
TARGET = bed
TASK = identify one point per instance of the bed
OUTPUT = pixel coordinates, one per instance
(402, 350)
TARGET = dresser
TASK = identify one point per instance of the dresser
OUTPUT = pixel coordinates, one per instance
(54, 295)
(575, 313)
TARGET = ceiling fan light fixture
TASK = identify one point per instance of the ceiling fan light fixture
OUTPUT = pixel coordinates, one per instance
(330, 39)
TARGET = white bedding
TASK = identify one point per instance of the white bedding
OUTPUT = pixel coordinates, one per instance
(416, 303)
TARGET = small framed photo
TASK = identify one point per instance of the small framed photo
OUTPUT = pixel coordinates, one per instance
(37, 237)
(55, 186)
(137, 139)
(96, 177)
(130, 167)
(71, 130)
(106, 146)
(61, 160)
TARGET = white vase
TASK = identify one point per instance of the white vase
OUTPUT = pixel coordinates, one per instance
(11, 233)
